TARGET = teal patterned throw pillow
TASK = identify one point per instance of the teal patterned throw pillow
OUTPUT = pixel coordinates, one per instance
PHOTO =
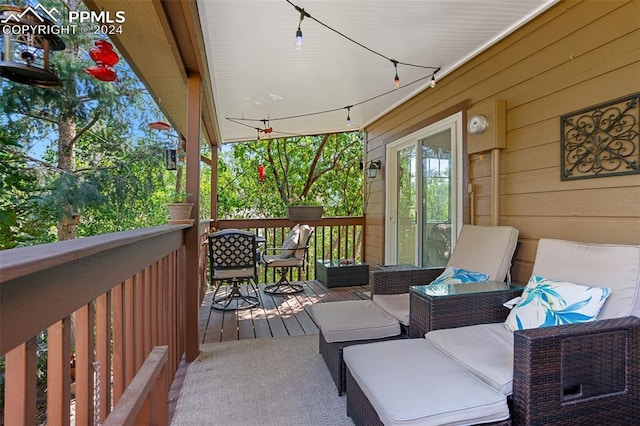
(546, 303)
(453, 275)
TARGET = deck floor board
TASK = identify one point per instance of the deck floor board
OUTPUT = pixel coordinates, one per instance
(276, 316)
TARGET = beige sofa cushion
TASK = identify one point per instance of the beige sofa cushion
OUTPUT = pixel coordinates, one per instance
(614, 266)
(486, 249)
(353, 320)
(486, 350)
(409, 382)
(396, 305)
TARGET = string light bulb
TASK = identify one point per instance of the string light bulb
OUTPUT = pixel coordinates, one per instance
(432, 84)
(299, 39)
(349, 116)
(299, 31)
(396, 80)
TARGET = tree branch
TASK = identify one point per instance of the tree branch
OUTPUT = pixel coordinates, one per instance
(272, 163)
(83, 130)
(312, 169)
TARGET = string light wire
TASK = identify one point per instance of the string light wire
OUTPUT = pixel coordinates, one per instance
(242, 120)
(397, 85)
(393, 61)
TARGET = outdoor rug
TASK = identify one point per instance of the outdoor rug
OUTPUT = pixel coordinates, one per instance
(270, 381)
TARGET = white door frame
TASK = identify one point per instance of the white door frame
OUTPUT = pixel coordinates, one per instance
(454, 123)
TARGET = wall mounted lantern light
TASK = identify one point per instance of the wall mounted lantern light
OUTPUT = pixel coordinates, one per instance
(372, 170)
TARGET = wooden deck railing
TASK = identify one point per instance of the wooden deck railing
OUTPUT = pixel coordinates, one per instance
(333, 238)
(124, 294)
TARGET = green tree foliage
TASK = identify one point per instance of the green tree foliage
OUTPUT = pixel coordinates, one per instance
(320, 170)
(18, 196)
(100, 161)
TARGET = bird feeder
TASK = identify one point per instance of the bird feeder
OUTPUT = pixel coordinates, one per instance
(25, 50)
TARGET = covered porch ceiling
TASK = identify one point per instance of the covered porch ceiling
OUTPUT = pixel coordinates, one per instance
(245, 52)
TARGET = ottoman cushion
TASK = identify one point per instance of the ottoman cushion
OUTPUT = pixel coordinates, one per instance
(486, 350)
(353, 320)
(396, 305)
(411, 382)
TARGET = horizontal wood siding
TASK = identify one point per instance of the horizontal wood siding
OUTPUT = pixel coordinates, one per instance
(575, 55)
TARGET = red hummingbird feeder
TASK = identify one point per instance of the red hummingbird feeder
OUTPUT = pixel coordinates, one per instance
(105, 58)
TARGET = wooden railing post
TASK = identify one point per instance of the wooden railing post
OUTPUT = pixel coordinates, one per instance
(20, 388)
(59, 372)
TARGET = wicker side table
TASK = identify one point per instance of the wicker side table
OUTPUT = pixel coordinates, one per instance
(342, 272)
(458, 305)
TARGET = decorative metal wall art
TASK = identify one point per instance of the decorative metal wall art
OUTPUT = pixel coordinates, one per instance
(602, 140)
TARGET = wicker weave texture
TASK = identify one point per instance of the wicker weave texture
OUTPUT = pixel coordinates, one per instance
(578, 374)
(434, 312)
(342, 276)
(399, 281)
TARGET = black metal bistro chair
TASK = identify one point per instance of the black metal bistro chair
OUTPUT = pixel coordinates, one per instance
(233, 261)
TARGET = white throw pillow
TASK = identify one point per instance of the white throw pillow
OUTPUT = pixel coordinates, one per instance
(452, 275)
(545, 303)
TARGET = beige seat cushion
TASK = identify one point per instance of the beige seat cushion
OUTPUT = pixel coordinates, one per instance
(353, 320)
(486, 249)
(226, 274)
(409, 382)
(486, 350)
(396, 305)
(615, 266)
(277, 261)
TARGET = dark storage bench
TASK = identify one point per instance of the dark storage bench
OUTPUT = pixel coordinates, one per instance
(342, 272)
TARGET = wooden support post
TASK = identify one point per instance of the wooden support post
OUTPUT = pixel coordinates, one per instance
(214, 184)
(192, 235)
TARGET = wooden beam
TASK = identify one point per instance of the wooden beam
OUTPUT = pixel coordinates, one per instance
(192, 236)
(214, 183)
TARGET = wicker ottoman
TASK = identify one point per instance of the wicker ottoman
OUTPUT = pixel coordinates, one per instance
(412, 382)
(347, 323)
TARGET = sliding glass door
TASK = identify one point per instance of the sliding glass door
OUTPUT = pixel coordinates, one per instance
(424, 205)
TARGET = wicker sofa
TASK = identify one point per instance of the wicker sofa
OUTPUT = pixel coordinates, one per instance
(577, 374)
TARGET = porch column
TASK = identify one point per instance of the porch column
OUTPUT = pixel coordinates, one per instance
(192, 237)
(214, 184)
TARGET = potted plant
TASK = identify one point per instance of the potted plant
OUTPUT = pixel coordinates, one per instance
(303, 211)
(179, 208)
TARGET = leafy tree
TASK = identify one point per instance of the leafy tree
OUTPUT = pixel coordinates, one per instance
(314, 169)
(92, 166)
(18, 196)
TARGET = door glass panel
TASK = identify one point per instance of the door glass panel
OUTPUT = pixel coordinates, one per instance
(436, 199)
(406, 211)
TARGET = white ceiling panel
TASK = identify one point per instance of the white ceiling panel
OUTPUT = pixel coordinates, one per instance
(258, 73)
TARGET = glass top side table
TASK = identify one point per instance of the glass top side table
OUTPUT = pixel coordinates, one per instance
(433, 307)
